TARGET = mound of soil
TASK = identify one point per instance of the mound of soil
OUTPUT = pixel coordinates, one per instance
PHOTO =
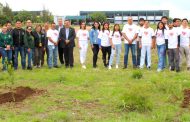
(18, 94)
(186, 101)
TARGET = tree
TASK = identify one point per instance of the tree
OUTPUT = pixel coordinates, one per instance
(7, 11)
(23, 15)
(3, 19)
(98, 16)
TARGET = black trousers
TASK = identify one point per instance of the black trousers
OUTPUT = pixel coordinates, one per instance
(95, 51)
(174, 58)
(106, 51)
(60, 52)
(38, 53)
(68, 54)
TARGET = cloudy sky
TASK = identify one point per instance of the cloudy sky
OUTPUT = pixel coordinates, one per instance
(178, 8)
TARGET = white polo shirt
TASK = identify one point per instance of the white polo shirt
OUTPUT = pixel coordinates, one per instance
(54, 35)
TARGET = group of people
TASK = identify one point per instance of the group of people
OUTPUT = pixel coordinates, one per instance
(172, 40)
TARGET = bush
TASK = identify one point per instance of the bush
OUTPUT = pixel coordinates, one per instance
(137, 74)
(137, 99)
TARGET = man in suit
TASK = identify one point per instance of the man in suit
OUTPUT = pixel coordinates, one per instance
(67, 42)
(60, 49)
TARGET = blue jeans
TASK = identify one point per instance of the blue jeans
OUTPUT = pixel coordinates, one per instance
(53, 50)
(6, 56)
(161, 56)
(116, 51)
(145, 49)
(133, 50)
(29, 54)
(23, 57)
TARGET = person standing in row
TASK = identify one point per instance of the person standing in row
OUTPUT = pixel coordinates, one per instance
(95, 42)
(146, 43)
(52, 35)
(83, 37)
(39, 39)
(18, 43)
(45, 28)
(29, 45)
(184, 43)
(160, 35)
(141, 24)
(67, 37)
(60, 49)
(6, 43)
(105, 43)
(173, 47)
(116, 41)
(130, 33)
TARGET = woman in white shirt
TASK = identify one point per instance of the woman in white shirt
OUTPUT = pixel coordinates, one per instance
(115, 40)
(105, 43)
(83, 37)
(160, 34)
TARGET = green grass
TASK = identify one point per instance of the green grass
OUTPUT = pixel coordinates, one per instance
(98, 95)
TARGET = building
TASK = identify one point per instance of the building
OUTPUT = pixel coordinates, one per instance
(120, 17)
(74, 19)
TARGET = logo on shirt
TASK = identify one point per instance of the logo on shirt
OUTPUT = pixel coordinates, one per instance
(116, 36)
(183, 33)
(55, 34)
(84, 34)
(146, 33)
(171, 34)
(107, 34)
(159, 34)
(130, 29)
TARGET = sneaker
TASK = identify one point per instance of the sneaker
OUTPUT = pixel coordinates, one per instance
(125, 67)
(29, 68)
(178, 70)
(109, 67)
(83, 66)
(56, 66)
(188, 68)
(134, 66)
(116, 66)
(148, 67)
(159, 70)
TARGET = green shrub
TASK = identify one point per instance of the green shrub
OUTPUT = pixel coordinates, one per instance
(137, 99)
(137, 74)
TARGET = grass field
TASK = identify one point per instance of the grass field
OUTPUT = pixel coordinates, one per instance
(98, 95)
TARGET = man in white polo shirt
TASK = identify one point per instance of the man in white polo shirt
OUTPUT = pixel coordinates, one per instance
(184, 43)
(53, 36)
(130, 33)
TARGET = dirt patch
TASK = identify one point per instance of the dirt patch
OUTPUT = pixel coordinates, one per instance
(186, 100)
(19, 94)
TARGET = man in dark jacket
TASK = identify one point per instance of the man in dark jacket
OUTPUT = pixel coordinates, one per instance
(60, 49)
(67, 42)
(18, 43)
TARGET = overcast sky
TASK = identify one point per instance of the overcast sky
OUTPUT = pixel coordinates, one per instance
(178, 8)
